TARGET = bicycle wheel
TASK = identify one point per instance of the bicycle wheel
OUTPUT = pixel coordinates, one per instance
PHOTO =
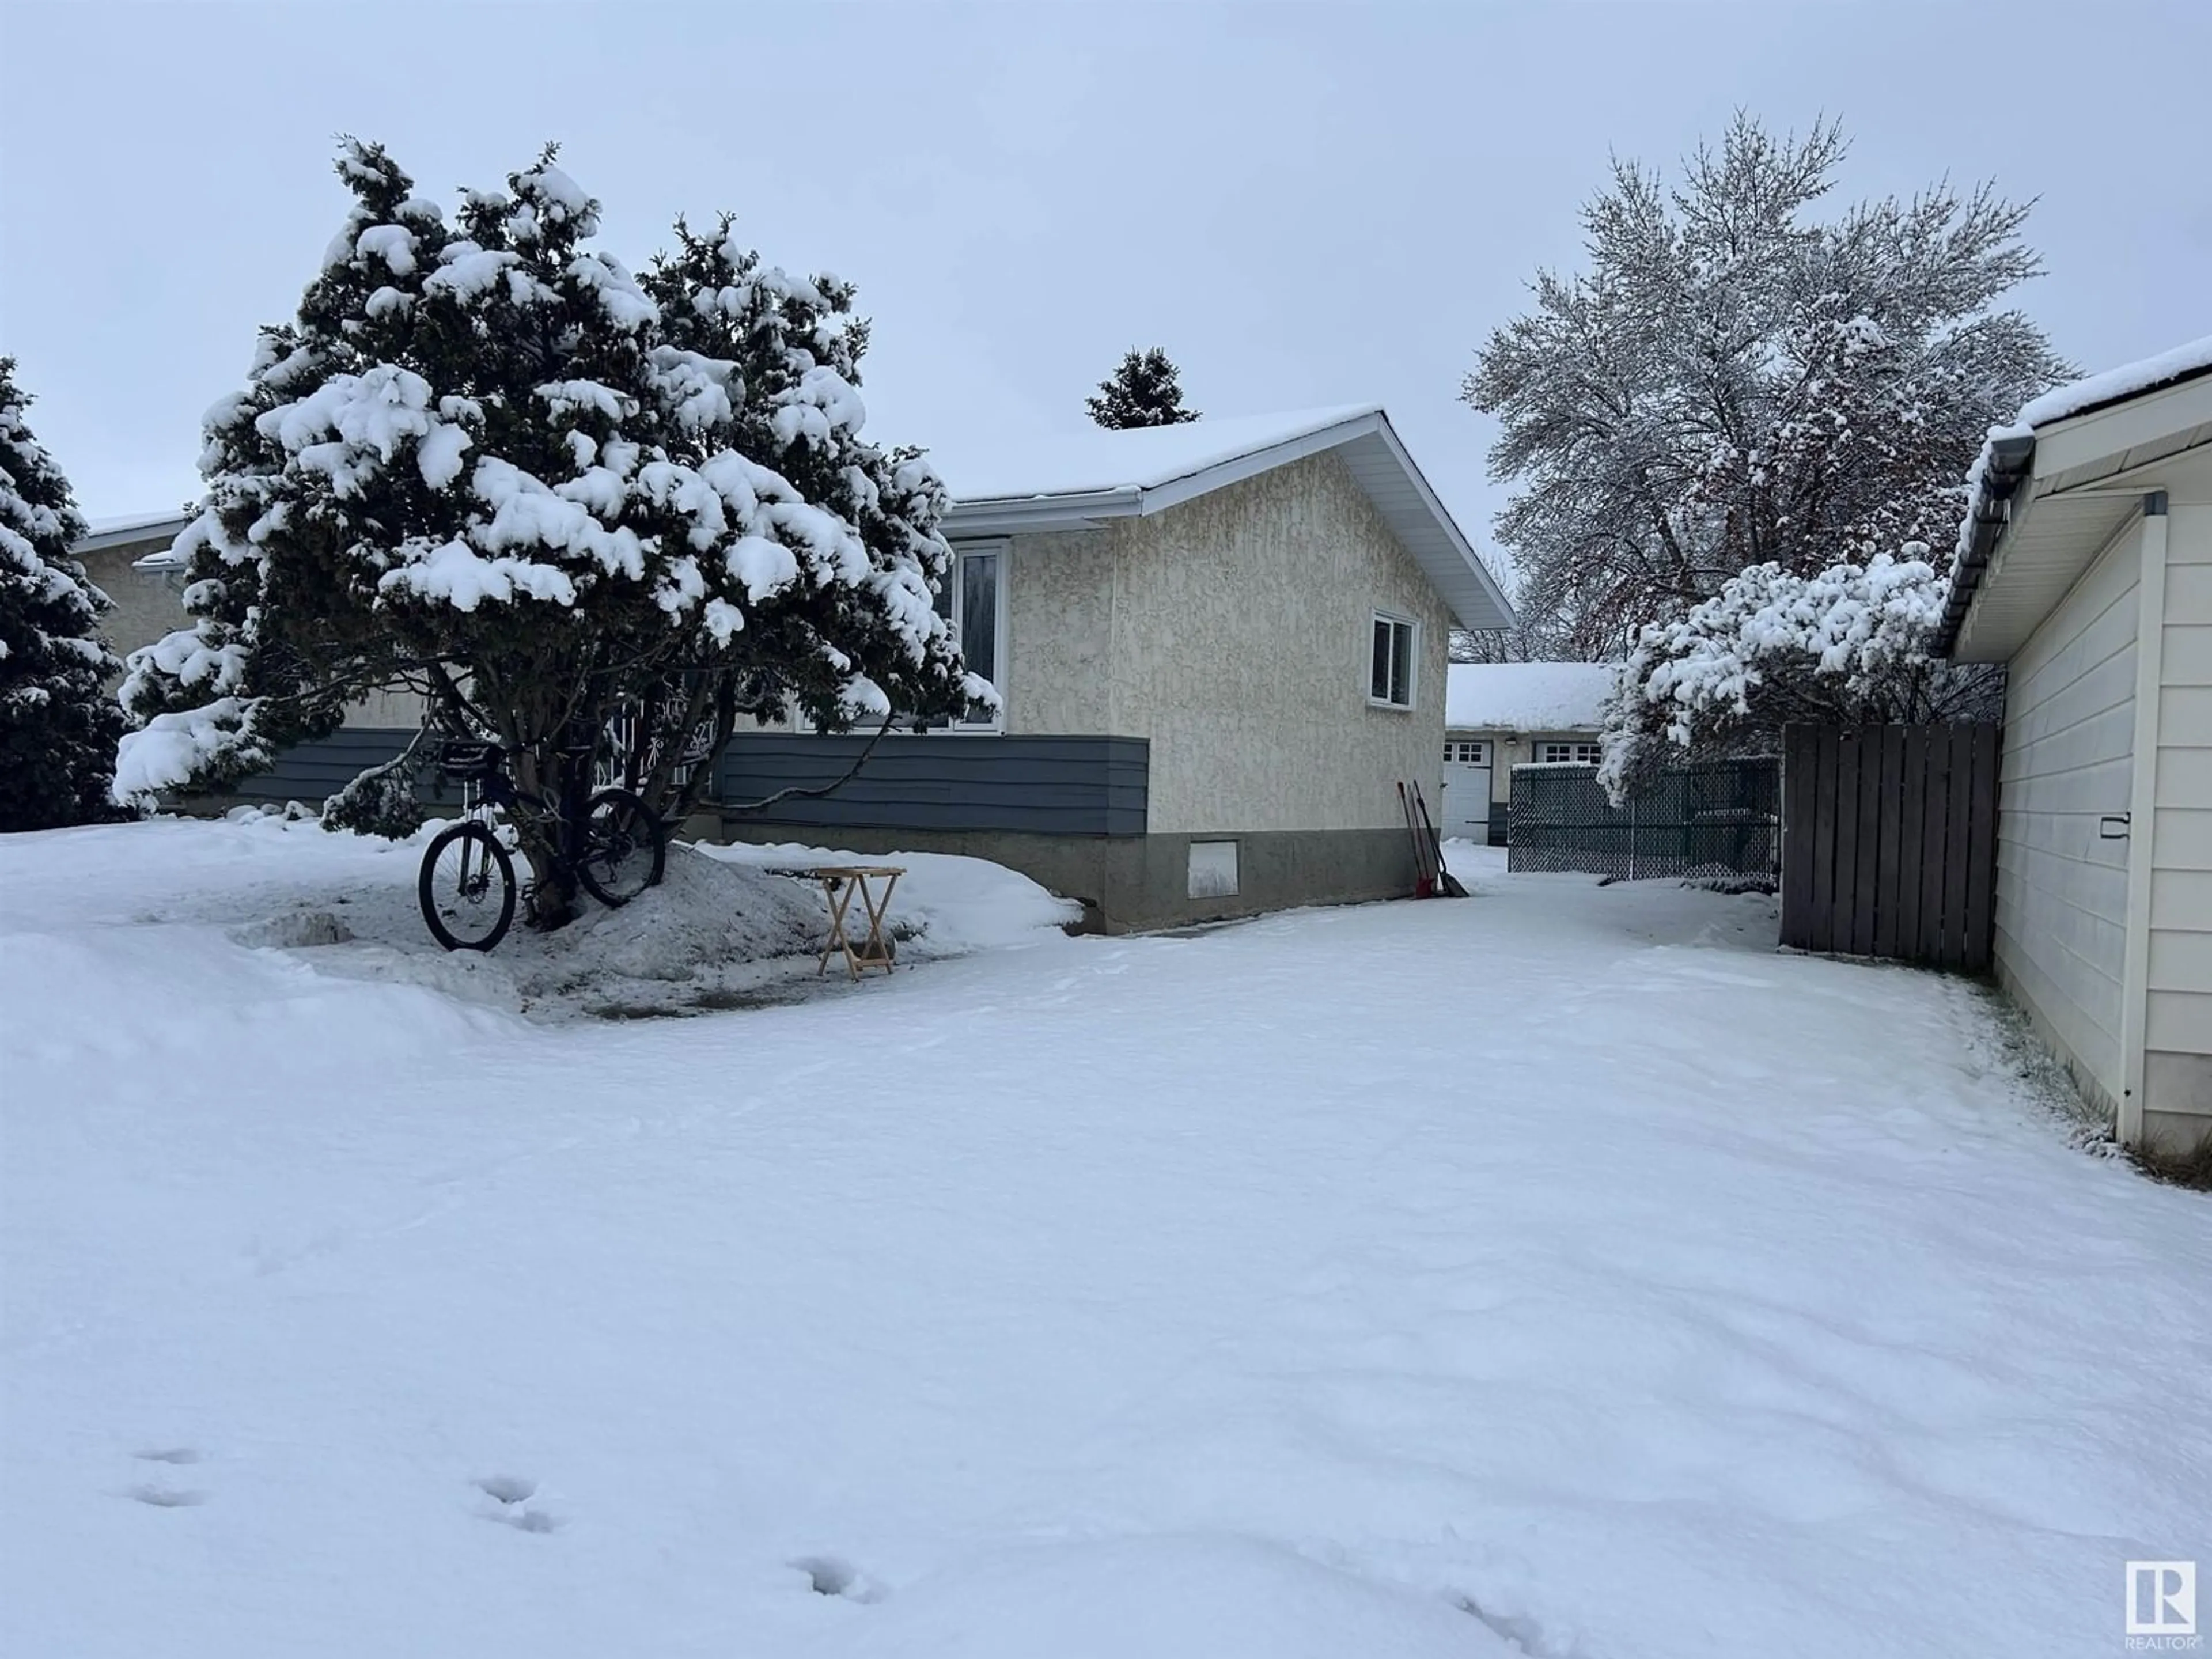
(623, 852)
(466, 888)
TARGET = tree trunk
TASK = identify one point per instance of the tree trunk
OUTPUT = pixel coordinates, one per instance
(553, 887)
(553, 892)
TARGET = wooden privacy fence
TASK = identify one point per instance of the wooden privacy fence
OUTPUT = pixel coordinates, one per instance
(1889, 841)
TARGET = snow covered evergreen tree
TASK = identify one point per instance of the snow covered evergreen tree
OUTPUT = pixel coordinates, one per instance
(1146, 389)
(57, 725)
(1847, 646)
(488, 465)
(1737, 381)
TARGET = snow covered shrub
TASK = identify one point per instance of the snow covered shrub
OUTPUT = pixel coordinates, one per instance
(57, 725)
(1736, 383)
(488, 465)
(1847, 645)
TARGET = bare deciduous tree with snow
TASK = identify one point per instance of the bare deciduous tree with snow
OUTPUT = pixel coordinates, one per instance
(1739, 381)
(487, 463)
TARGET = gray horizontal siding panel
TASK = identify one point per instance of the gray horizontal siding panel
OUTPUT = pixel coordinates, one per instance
(312, 772)
(1067, 786)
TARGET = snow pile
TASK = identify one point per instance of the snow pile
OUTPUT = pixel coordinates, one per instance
(951, 903)
(1527, 696)
(705, 914)
(723, 929)
(725, 926)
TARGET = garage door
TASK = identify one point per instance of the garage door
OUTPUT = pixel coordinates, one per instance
(1466, 809)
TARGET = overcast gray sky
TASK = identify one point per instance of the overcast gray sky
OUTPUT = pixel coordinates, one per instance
(1305, 204)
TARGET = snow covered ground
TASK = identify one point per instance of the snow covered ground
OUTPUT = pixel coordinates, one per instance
(1562, 1273)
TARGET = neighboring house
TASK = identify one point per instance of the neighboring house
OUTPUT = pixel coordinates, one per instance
(1219, 647)
(1500, 715)
(147, 598)
(2086, 566)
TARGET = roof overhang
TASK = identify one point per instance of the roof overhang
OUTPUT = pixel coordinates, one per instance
(2045, 503)
(1370, 451)
(162, 528)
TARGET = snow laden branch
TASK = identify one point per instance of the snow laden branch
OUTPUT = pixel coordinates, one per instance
(487, 459)
(1848, 644)
(58, 726)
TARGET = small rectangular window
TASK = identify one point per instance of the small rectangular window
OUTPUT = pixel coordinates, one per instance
(972, 599)
(1576, 754)
(978, 624)
(1465, 753)
(1390, 662)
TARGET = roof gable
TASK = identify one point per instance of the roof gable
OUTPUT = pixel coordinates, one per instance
(1071, 481)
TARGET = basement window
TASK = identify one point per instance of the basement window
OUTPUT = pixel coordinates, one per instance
(1213, 869)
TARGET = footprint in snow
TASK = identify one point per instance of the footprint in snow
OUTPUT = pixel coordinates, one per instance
(830, 1574)
(164, 1498)
(511, 1492)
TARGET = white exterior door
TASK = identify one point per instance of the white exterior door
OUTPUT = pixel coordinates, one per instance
(1465, 807)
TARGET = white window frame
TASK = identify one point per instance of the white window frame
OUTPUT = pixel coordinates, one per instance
(1001, 548)
(963, 727)
(1575, 755)
(1454, 747)
(1413, 648)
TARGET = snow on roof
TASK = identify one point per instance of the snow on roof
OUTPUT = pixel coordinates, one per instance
(1078, 476)
(1527, 696)
(2082, 396)
(2127, 381)
(103, 533)
(2007, 455)
(132, 521)
(1092, 459)
(1075, 479)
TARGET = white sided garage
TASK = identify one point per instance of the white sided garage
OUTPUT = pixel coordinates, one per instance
(1498, 715)
(2086, 566)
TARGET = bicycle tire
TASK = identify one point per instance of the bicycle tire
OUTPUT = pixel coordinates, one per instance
(475, 840)
(625, 850)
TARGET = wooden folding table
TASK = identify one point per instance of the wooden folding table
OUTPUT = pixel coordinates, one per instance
(840, 882)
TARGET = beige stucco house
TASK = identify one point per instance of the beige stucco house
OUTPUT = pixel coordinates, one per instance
(2086, 565)
(1498, 715)
(1219, 647)
(147, 598)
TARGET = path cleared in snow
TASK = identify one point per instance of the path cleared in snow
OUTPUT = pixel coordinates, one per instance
(1562, 1273)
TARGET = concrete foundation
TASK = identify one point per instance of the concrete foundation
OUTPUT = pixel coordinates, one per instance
(1131, 882)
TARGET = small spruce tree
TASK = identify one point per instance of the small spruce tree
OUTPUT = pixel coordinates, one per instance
(58, 727)
(1145, 390)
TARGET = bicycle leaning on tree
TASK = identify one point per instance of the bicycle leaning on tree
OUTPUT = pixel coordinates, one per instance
(613, 848)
